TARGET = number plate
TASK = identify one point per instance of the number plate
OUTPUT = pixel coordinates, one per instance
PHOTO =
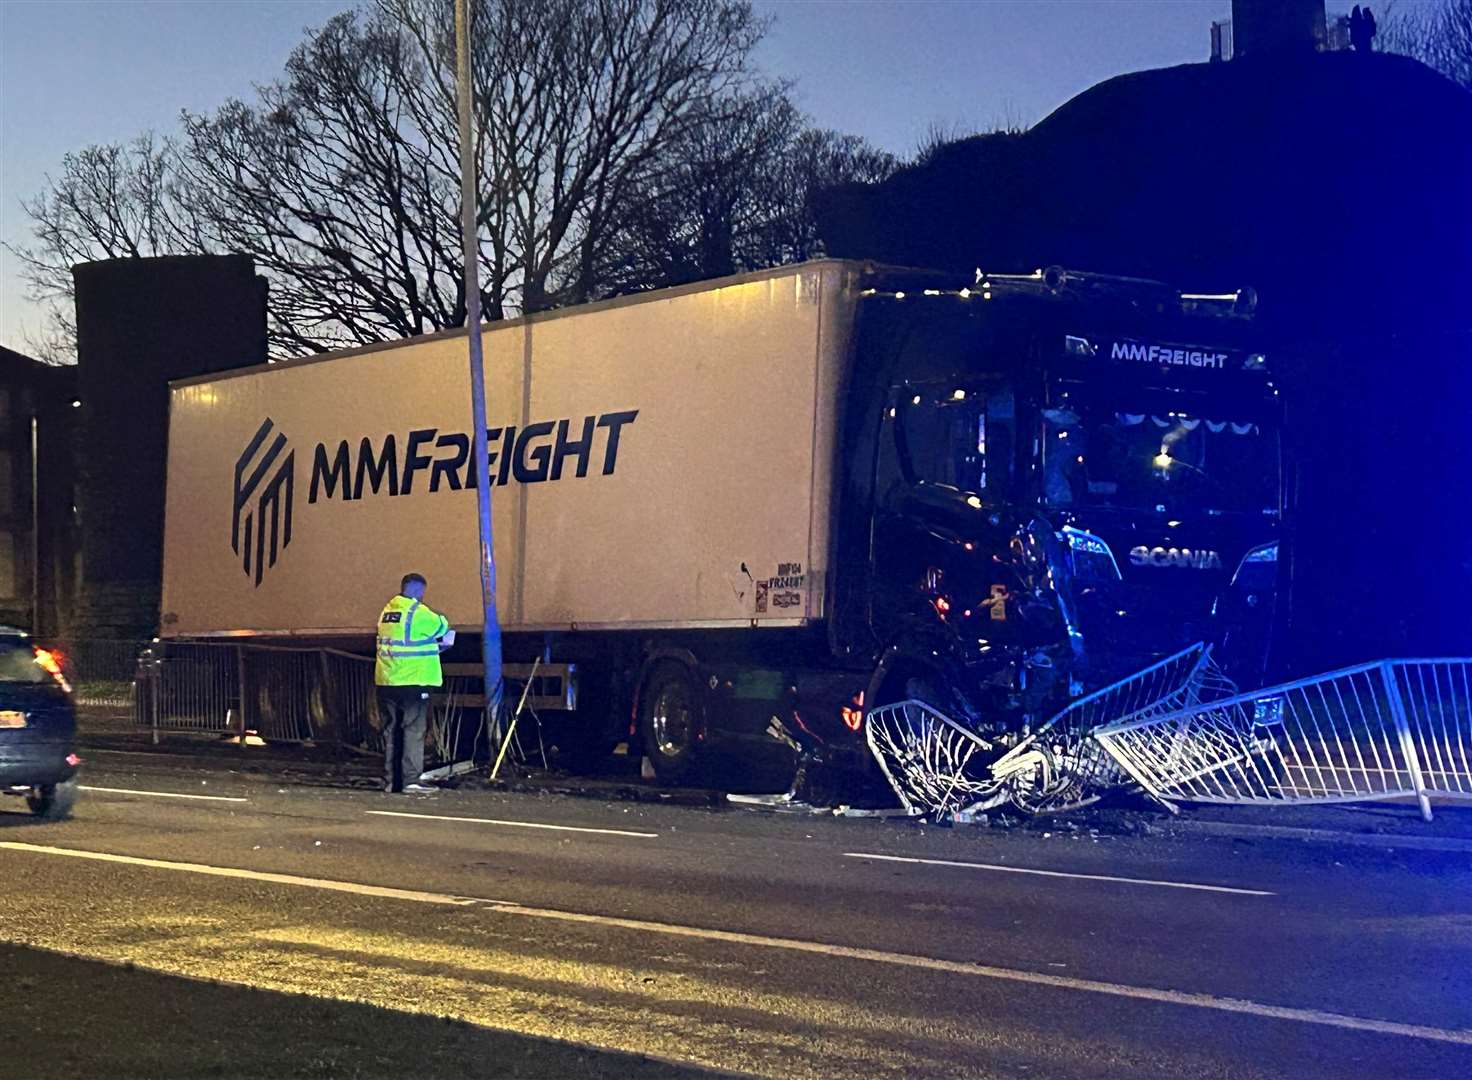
(11, 719)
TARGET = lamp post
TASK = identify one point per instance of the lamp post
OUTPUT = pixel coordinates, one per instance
(490, 637)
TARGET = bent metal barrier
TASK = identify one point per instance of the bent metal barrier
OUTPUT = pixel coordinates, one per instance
(1386, 730)
(1060, 766)
(936, 765)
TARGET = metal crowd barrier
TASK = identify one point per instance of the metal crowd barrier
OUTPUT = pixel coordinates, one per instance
(936, 765)
(100, 671)
(1386, 730)
(932, 763)
(1061, 767)
(282, 694)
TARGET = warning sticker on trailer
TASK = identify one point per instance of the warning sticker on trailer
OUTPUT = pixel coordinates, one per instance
(783, 591)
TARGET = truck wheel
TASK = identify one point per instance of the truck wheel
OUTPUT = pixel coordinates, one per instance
(53, 802)
(669, 722)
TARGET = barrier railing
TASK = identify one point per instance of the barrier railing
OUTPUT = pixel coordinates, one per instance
(100, 671)
(1387, 730)
(1060, 767)
(936, 765)
(287, 695)
(932, 763)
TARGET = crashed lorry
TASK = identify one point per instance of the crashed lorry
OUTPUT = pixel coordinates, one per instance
(740, 519)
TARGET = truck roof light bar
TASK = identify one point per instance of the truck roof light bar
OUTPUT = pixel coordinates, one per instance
(1230, 297)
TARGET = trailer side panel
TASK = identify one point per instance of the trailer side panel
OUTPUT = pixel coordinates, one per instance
(665, 462)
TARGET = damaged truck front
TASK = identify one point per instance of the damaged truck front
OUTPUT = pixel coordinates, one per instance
(1051, 484)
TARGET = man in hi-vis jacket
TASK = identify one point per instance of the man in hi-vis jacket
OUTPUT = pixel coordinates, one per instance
(410, 640)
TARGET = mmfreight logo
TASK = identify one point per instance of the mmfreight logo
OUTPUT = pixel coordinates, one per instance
(418, 463)
(1165, 354)
(263, 502)
(440, 460)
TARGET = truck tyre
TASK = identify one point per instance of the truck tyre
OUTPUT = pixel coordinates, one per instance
(669, 721)
(53, 802)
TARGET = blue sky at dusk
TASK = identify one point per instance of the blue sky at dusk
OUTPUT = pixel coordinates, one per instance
(74, 73)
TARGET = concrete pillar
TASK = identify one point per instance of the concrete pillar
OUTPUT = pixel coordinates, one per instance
(141, 323)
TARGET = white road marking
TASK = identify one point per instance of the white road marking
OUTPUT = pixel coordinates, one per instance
(163, 794)
(252, 875)
(1260, 1010)
(1060, 874)
(1035, 978)
(514, 824)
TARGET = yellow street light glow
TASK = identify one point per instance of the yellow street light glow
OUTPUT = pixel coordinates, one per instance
(973, 501)
(958, 395)
(1162, 459)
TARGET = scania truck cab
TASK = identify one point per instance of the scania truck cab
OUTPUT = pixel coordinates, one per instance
(1049, 482)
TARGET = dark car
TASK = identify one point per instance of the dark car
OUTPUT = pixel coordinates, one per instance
(37, 727)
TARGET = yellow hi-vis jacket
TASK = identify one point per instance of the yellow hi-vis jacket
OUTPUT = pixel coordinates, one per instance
(409, 644)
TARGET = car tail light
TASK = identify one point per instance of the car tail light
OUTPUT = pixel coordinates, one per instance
(52, 665)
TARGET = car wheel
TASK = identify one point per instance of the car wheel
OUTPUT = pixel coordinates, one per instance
(53, 802)
(669, 722)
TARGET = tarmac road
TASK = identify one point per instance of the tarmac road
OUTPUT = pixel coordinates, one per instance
(569, 934)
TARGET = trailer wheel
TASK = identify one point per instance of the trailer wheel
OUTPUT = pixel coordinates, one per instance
(669, 722)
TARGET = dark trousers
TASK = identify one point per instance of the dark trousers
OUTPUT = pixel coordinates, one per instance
(404, 710)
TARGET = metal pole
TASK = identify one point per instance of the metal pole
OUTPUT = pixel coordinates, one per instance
(240, 675)
(36, 627)
(490, 638)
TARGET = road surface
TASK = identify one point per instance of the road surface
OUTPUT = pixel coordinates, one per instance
(572, 937)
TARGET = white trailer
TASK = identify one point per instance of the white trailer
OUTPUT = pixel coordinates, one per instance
(660, 461)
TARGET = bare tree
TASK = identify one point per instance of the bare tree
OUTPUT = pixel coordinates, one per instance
(734, 194)
(112, 201)
(1440, 36)
(602, 125)
(578, 97)
(330, 183)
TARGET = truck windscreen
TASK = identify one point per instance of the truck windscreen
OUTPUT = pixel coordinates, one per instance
(1178, 452)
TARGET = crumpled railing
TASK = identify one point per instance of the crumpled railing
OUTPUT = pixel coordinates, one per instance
(1061, 767)
(936, 765)
(932, 763)
(1386, 730)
